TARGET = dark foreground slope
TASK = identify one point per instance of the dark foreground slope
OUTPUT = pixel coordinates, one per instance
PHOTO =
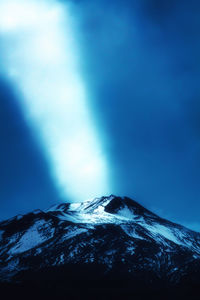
(107, 248)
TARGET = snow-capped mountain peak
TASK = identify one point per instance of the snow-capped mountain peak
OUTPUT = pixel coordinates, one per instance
(105, 233)
(101, 210)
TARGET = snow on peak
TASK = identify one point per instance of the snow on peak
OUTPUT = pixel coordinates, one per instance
(114, 210)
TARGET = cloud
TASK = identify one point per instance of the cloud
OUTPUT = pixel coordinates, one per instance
(53, 93)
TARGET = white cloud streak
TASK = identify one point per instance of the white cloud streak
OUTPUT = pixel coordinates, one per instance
(40, 56)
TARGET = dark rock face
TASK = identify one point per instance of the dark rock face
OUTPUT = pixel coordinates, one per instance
(109, 242)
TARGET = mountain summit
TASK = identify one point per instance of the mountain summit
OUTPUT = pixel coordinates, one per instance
(103, 241)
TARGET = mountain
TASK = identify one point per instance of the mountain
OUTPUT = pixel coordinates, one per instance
(110, 243)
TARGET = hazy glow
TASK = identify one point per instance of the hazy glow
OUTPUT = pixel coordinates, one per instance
(41, 58)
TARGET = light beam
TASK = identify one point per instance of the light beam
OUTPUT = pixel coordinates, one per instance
(40, 56)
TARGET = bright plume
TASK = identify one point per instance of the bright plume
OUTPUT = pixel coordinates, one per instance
(40, 56)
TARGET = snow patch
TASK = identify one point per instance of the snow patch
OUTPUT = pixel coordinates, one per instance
(34, 236)
(131, 250)
(38, 251)
(90, 259)
(125, 212)
(13, 264)
(130, 231)
(62, 259)
(167, 233)
(74, 232)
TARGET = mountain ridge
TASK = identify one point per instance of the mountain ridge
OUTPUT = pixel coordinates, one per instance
(106, 239)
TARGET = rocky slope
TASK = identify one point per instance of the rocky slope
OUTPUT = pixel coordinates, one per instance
(105, 240)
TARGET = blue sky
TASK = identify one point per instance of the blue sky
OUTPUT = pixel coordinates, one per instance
(139, 62)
